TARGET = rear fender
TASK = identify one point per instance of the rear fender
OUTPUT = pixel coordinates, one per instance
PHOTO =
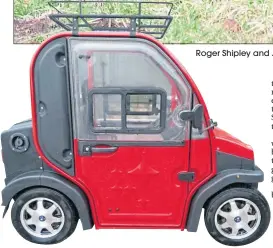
(53, 181)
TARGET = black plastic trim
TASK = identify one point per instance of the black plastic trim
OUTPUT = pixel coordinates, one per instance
(220, 181)
(227, 161)
(53, 108)
(17, 163)
(186, 176)
(110, 149)
(53, 181)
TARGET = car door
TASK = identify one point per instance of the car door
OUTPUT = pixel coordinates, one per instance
(129, 143)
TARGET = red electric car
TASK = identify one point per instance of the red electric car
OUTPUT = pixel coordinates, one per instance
(120, 137)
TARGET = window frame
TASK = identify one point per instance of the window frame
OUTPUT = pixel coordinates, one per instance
(124, 92)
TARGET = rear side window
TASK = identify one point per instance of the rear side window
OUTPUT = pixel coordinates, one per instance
(126, 89)
(146, 111)
(105, 112)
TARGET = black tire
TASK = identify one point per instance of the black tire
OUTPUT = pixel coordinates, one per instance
(70, 214)
(250, 194)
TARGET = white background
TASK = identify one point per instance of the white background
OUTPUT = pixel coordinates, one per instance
(238, 96)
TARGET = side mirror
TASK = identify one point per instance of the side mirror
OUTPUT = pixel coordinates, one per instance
(196, 116)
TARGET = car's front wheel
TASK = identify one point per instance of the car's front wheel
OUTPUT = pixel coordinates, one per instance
(237, 216)
(44, 216)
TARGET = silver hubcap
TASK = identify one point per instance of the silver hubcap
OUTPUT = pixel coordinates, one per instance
(42, 217)
(237, 218)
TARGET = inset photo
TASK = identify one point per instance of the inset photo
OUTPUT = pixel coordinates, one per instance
(173, 21)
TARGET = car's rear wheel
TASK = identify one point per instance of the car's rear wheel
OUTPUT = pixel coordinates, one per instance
(44, 216)
(237, 216)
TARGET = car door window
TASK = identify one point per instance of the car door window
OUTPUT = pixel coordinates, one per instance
(116, 65)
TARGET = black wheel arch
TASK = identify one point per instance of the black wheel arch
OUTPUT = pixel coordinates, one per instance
(53, 181)
(221, 181)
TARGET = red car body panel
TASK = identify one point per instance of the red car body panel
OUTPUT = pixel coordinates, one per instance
(227, 143)
(136, 186)
(162, 200)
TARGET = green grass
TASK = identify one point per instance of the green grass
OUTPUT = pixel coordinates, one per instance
(203, 22)
(194, 21)
(39, 38)
(30, 8)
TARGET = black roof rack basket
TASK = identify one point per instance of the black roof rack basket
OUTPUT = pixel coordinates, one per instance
(148, 17)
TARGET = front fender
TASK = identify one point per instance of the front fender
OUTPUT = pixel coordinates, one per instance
(219, 182)
(53, 181)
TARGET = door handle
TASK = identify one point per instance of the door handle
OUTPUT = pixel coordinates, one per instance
(103, 149)
(186, 176)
